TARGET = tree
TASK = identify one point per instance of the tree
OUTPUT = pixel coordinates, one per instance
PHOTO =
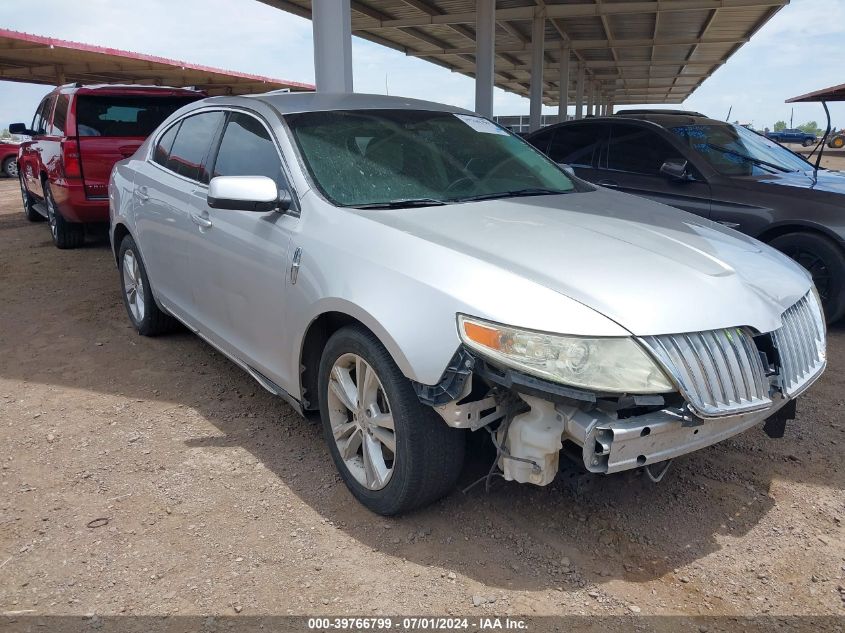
(780, 126)
(811, 128)
(4, 133)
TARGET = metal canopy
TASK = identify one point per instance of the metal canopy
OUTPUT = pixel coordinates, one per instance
(635, 52)
(835, 93)
(42, 60)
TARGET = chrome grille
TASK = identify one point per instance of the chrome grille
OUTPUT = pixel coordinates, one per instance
(719, 372)
(800, 343)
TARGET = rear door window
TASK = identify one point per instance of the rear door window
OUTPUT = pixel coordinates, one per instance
(162, 151)
(60, 115)
(246, 149)
(638, 150)
(577, 145)
(123, 115)
(190, 148)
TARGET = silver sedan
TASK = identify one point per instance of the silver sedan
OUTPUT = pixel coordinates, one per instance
(414, 273)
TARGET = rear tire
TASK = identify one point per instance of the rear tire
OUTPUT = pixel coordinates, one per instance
(825, 261)
(427, 455)
(10, 167)
(65, 234)
(28, 205)
(146, 317)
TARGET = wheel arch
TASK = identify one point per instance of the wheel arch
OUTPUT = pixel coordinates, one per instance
(779, 230)
(317, 334)
(119, 233)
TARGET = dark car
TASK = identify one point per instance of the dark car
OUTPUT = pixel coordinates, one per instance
(793, 136)
(77, 135)
(720, 171)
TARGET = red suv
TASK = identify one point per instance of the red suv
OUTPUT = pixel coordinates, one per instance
(77, 135)
(9, 159)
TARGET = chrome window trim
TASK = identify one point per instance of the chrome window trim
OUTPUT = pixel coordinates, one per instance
(294, 211)
(154, 144)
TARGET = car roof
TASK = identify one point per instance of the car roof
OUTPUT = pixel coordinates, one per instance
(128, 88)
(294, 102)
(674, 118)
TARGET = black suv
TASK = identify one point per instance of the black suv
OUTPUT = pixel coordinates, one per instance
(721, 171)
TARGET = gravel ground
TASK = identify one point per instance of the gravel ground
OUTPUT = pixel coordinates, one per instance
(152, 476)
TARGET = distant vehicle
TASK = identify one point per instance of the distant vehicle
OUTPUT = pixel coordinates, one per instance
(721, 171)
(793, 136)
(9, 158)
(412, 271)
(837, 140)
(77, 135)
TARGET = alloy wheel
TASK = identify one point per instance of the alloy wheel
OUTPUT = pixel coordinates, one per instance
(362, 421)
(133, 286)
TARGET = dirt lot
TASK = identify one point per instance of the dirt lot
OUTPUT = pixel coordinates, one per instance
(831, 158)
(217, 498)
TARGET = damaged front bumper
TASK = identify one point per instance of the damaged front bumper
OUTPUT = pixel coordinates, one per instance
(535, 420)
(609, 444)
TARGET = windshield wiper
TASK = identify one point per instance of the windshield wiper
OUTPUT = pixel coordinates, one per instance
(750, 159)
(406, 203)
(514, 193)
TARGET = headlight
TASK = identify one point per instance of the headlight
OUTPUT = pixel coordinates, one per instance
(617, 365)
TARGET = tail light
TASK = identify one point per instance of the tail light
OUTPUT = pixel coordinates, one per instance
(70, 159)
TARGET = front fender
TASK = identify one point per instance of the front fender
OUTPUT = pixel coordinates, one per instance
(344, 306)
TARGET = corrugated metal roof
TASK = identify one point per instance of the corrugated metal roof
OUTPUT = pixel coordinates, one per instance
(44, 60)
(655, 51)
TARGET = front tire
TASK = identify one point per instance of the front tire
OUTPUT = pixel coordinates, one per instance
(10, 167)
(138, 299)
(393, 453)
(807, 142)
(826, 263)
(65, 234)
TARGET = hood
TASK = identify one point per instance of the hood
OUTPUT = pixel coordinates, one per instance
(650, 268)
(828, 182)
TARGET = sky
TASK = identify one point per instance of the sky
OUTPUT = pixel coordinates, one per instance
(798, 51)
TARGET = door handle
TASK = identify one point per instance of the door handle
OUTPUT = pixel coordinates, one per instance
(200, 221)
(141, 193)
(607, 183)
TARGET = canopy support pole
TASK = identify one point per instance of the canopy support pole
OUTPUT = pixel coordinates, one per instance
(331, 22)
(485, 42)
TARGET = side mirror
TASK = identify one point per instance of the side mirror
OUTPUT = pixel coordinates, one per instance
(567, 168)
(247, 193)
(676, 169)
(20, 128)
